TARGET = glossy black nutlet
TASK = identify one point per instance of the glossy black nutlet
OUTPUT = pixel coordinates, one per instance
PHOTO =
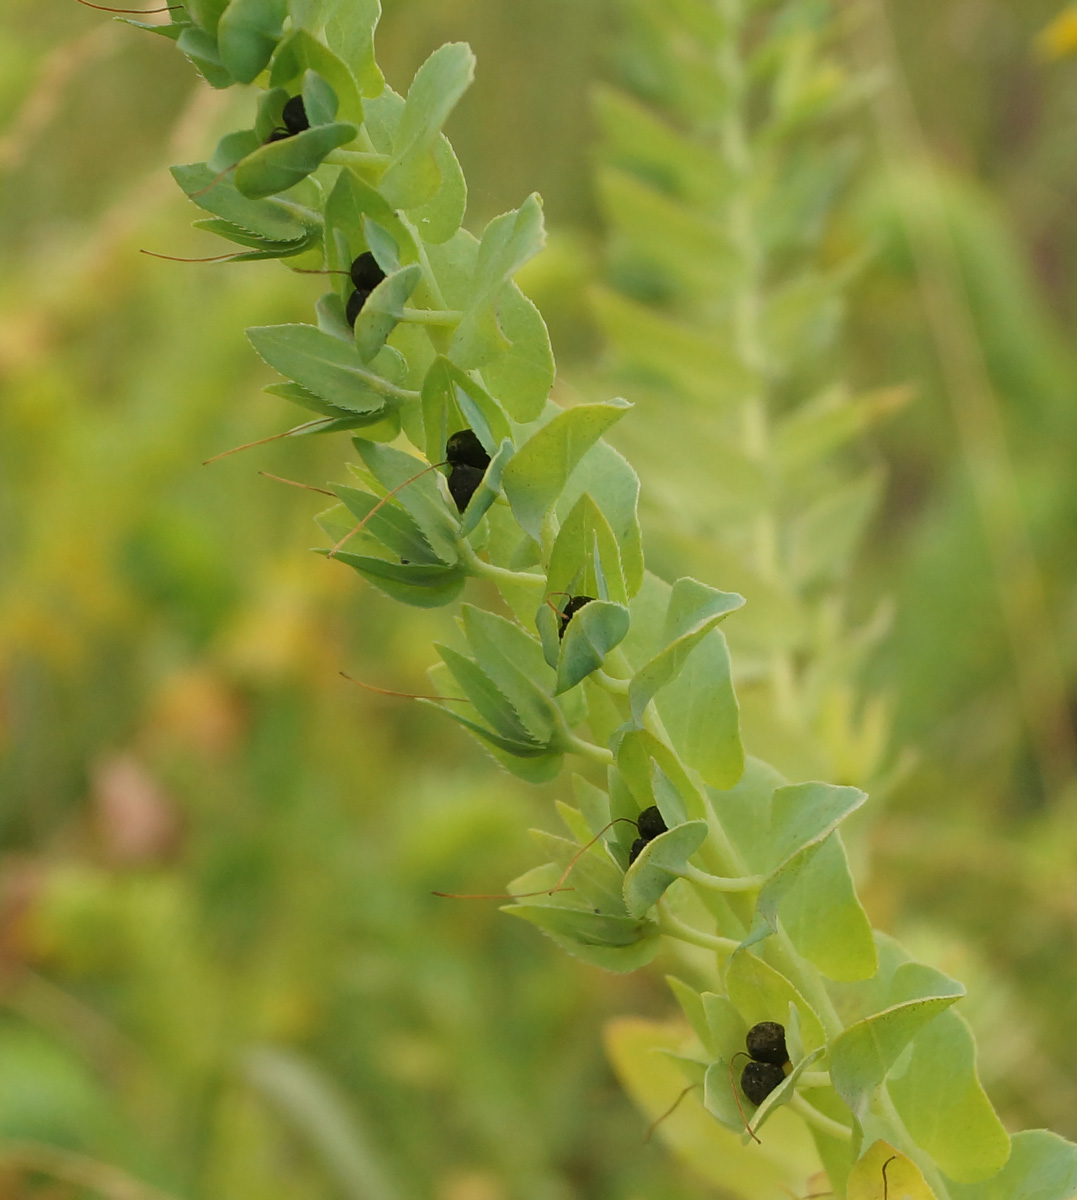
(365, 272)
(650, 824)
(759, 1079)
(463, 480)
(294, 115)
(570, 610)
(766, 1043)
(637, 847)
(355, 305)
(464, 447)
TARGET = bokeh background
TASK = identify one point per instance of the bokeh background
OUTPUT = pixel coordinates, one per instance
(222, 973)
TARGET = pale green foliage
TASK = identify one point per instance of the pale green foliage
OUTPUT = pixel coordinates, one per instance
(638, 684)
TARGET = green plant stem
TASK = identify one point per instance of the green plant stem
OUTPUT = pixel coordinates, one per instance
(587, 749)
(433, 316)
(821, 1121)
(674, 927)
(499, 574)
(718, 883)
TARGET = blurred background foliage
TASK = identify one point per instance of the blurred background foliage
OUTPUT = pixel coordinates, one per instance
(221, 969)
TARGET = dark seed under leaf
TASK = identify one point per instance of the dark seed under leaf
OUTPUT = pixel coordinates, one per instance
(355, 305)
(766, 1043)
(759, 1079)
(294, 115)
(570, 610)
(637, 847)
(365, 272)
(465, 447)
(463, 480)
(650, 825)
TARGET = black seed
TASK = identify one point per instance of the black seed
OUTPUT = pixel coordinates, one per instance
(463, 480)
(650, 825)
(355, 305)
(759, 1079)
(637, 846)
(570, 610)
(465, 447)
(365, 272)
(294, 115)
(766, 1043)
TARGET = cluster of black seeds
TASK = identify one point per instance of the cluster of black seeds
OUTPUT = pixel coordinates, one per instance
(650, 824)
(766, 1048)
(468, 460)
(571, 608)
(365, 276)
(294, 118)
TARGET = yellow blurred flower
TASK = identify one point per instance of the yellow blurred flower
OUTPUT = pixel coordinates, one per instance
(1059, 38)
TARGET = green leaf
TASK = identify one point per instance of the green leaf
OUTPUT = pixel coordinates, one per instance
(413, 176)
(391, 524)
(490, 703)
(513, 660)
(268, 219)
(660, 863)
(384, 309)
(247, 35)
(300, 52)
(760, 993)
(232, 148)
(784, 1092)
(419, 584)
(571, 570)
(613, 943)
(206, 13)
(280, 165)
(700, 711)
(438, 219)
(417, 492)
(824, 918)
(591, 635)
(351, 204)
(523, 374)
(487, 492)
(726, 1028)
(694, 610)
(452, 400)
(640, 755)
(322, 364)
(319, 99)
(538, 473)
(802, 818)
(1041, 1166)
(508, 241)
(351, 31)
(691, 1003)
(862, 1056)
(200, 48)
(943, 1105)
(534, 763)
